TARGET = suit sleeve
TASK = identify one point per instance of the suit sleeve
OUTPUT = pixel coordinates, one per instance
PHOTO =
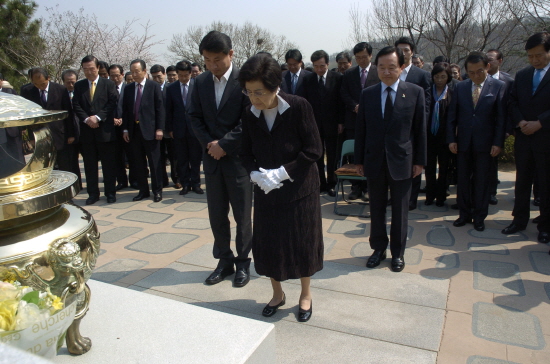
(231, 141)
(452, 117)
(69, 124)
(124, 114)
(247, 156)
(360, 130)
(420, 154)
(197, 118)
(339, 102)
(169, 113)
(159, 109)
(311, 141)
(500, 122)
(515, 114)
(347, 99)
(77, 107)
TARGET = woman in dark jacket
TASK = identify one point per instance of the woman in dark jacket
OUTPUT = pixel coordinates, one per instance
(438, 150)
(280, 145)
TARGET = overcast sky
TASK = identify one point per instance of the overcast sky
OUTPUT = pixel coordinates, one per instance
(310, 24)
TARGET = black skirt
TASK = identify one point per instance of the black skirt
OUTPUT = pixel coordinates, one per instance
(287, 241)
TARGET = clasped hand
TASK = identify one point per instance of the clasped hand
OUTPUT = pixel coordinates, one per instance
(269, 179)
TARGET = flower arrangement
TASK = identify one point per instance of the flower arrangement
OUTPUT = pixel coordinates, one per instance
(32, 320)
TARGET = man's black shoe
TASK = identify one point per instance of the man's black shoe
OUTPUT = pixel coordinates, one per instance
(91, 200)
(376, 258)
(242, 277)
(512, 229)
(536, 220)
(158, 197)
(197, 189)
(397, 264)
(111, 198)
(536, 201)
(121, 186)
(331, 192)
(493, 200)
(219, 275)
(479, 226)
(544, 237)
(184, 190)
(141, 196)
(461, 221)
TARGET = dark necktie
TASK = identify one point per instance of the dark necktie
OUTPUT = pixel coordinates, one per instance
(388, 109)
(321, 85)
(363, 77)
(43, 98)
(137, 104)
(294, 83)
(184, 95)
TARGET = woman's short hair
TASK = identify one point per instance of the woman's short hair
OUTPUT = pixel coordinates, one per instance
(443, 67)
(264, 68)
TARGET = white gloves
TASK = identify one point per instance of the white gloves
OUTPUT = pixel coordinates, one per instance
(269, 179)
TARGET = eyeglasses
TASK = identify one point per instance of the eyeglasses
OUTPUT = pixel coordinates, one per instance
(254, 93)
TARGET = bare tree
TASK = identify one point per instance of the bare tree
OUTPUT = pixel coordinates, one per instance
(248, 39)
(70, 36)
(359, 23)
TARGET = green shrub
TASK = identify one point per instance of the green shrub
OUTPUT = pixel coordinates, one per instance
(507, 154)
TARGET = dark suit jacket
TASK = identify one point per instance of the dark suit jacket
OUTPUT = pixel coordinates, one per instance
(58, 99)
(293, 142)
(351, 91)
(151, 114)
(118, 113)
(177, 119)
(402, 139)
(8, 91)
(104, 105)
(221, 123)
(481, 127)
(327, 106)
(524, 105)
(286, 85)
(423, 79)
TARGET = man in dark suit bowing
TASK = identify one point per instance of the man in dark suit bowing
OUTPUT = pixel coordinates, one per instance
(188, 151)
(422, 78)
(94, 103)
(354, 81)
(53, 96)
(530, 117)
(293, 79)
(143, 127)
(476, 125)
(217, 103)
(322, 90)
(390, 148)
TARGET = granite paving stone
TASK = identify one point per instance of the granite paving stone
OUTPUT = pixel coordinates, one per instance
(191, 206)
(123, 203)
(117, 269)
(476, 359)
(411, 216)
(488, 248)
(507, 325)
(193, 224)
(448, 261)
(119, 233)
(440, 235)
(503, 220)
(161, 243)
(328, 244)
(145, 216)
(498, 277)
(347, 227)
(352, 209)
(103, 222)
(432, 207)
(540, 262)
(547, 289)
(496, 234)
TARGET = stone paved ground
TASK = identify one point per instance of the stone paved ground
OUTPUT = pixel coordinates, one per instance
(464, 296)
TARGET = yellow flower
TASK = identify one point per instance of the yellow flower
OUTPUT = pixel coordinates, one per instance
(8, 309)
(57, 304)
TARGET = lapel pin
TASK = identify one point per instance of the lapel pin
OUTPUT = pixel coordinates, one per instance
(403, 96)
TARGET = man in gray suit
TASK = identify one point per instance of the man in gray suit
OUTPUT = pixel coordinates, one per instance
(217, 103)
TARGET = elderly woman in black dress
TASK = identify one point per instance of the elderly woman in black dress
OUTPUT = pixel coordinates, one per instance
(280, 145)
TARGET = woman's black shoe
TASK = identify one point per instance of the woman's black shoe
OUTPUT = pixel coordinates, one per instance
(271, 310)
(305, 315)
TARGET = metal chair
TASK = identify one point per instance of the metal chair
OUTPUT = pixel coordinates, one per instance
(347, 150)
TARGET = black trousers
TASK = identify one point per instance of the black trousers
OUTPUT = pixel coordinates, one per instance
(493, 180)
(473, 184)
(329, 140)
(91, 154)
(188, 153)
(143, 151)
(167, 152)
(400, 193)
(223, 191)
(67, 160)
(436, 184)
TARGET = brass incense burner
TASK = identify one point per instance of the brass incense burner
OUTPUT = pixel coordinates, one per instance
(45, 240)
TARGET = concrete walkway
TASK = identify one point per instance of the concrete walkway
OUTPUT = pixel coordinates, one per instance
(464, 296)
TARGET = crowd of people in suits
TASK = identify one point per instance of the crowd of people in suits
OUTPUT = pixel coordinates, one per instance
(402, 118)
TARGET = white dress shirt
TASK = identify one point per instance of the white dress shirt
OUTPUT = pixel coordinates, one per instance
(405, 72)
(219, 85)
(45, 92)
